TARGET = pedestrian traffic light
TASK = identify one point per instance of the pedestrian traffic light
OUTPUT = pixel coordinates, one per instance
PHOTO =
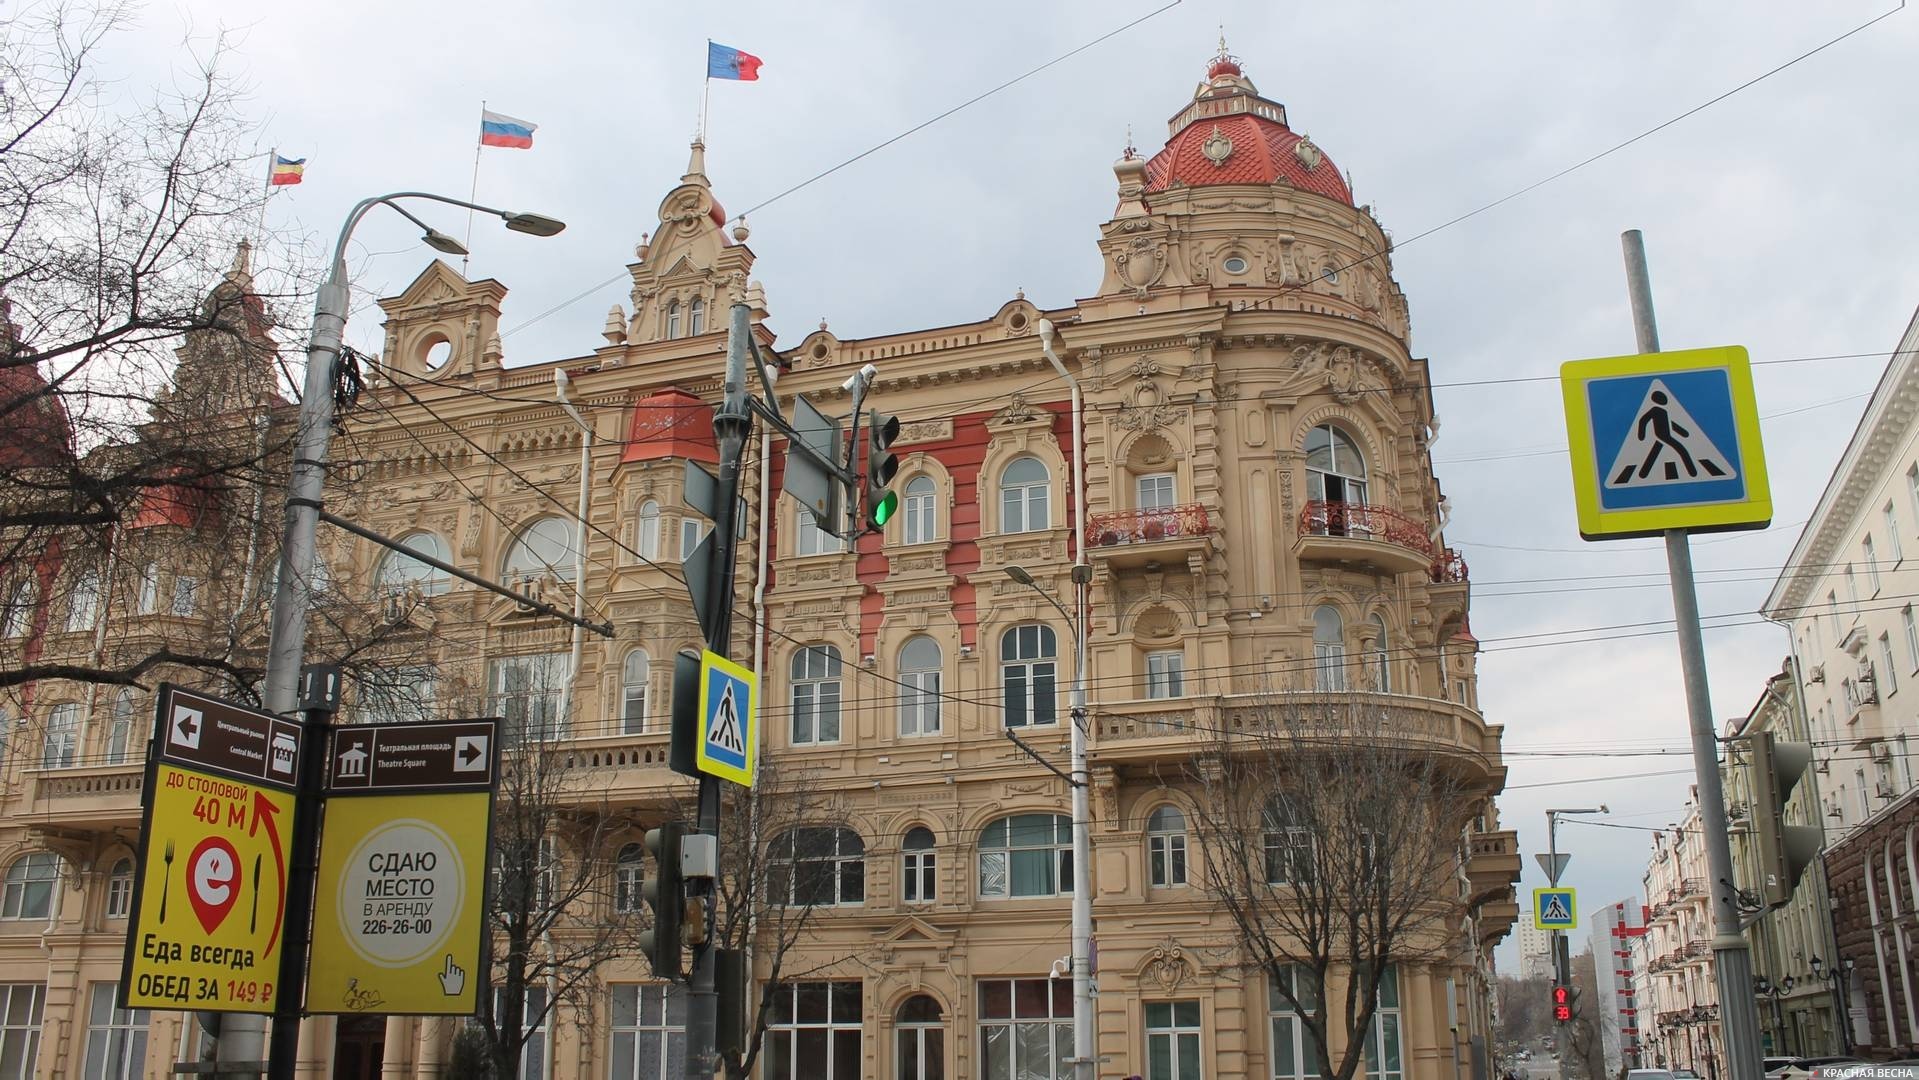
(1562, 1004)
(665, 895)
(880, 502)
(1784, 850)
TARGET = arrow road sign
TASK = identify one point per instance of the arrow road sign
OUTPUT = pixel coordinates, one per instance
(411, 757)
(1553, 871)
(226, 737)
(469, 753)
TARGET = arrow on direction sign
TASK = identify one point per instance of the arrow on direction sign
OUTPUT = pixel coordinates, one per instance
(1552, 869)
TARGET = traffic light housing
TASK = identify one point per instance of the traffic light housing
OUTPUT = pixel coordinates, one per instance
(879, 502)
(1784, 850)
(1562, 1004)
(665, 895)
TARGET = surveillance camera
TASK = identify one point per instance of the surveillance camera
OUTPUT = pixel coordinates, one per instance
(869, 372)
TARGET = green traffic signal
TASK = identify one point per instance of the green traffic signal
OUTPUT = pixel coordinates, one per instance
(881, 466)
(884, 510)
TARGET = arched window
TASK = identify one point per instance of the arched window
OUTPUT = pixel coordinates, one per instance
(816, 695)
(29, 888)
(398, 572)
(921, 1037)
(633, 675)
(120, 889)
(1026, 855)
(83, 601)
(1024, 490)
(120, 729)
(1166, 847)
(1335, 471)
(919, 877)
(1329, 649)
(17, 618)
(817, 865)
(920, 689)
(543, 547)
(1382, 654)
(647, 530)
(1288, 842)
(698, 321)
(814, 539)
(1028, 671)
(629, 873)
(60, 748)
(673, 319)
(922, 511)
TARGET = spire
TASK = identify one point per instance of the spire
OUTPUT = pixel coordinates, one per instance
(240, 274)
(696, 165)
(1224, 63)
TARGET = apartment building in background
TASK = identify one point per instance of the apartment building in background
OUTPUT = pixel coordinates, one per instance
(1615, 1008)
(1260, 518)
(1535, 951)
(1672, 964)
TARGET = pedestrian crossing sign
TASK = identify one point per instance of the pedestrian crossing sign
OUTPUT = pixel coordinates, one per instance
(728, 744)
(1665, 441)
(1555, 909)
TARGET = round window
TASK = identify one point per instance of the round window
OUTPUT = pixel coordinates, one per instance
(435, 355)
(1018, 321)
(1235, 265)
(1331, 275)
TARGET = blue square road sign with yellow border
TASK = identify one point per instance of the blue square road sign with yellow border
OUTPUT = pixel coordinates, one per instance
(1665, 441)
(1555, 908)
(728, 742)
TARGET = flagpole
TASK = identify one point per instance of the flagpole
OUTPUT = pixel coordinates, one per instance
(266, 192)
(706, 94)
(474, 195)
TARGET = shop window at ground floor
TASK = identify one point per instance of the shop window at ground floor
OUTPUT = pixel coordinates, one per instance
(21, 1005)
(116, 1038)
(813, 1032)
(533, 1052)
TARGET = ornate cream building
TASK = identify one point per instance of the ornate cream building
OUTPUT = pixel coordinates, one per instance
(1262, 518)
(1673, 985)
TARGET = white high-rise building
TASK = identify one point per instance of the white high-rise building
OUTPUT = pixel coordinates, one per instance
(1535, 950)
(1614, 1005)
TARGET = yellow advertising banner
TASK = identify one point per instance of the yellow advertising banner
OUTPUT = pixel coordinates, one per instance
(211, 903)
(398, 912)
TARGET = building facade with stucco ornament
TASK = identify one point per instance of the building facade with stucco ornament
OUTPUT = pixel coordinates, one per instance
(1261, 518)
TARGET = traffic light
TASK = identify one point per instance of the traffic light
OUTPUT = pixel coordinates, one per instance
(1562, 1004)
(1784, 850)
(880, 503)
(665, 894)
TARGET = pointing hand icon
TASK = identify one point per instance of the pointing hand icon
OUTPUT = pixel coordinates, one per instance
(453, 979)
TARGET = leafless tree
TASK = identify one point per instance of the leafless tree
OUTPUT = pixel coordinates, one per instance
(1332, 826)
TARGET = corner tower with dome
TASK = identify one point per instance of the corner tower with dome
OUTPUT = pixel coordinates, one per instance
(1263, 529)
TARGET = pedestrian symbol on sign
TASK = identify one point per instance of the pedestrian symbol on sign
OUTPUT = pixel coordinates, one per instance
(726, 745)
(1665, 446)
(725, 732)
(1553, 908)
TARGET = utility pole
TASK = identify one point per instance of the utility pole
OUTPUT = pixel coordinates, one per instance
(732, 424)
(1732, 962)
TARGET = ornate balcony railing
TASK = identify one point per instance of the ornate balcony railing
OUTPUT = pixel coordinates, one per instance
(1146, 526)
(1365, 522)
(1449, 568)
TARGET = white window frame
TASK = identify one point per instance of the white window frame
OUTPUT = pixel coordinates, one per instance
(1852, 590)
(1388, 1032)
(524, 562)
(1912, 638)
(1288, 846)
(1888, 679)
(33, 1012)
(815, 695)
(629, 876)
(1002, 1049)
(1352, 477)
(673, 320)
(116, 1038)
(22, 597)
(83, 601)
(29, 886)
(696, 317)
(919, 867)
(399, 572)
(1165, 674)
(647, 529)
(1329, 650)
(1171, 1028)
(633, 685)
(1290, 1029)
(120, 726)
(920, 522)
(1025, 505)
(920, 689)
(814, 540)
(525, 690)
(60, 745)
(782, 1061)
(1893, 547)
(1166, 848)
(1382, 655)
(147, 589)
(1155, 491)
(1912, 488)
(998, 858)
(649, 1029)
(1029, 683)
(692, 531)
(120, 889)
(1870, 556)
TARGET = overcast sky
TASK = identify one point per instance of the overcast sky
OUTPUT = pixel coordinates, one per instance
(1774, 219)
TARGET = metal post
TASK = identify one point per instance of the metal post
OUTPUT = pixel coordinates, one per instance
(317, 712)
(1732, 960)
(732, 423)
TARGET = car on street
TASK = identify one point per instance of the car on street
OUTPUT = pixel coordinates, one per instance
(1649, 1074)
(1772, 1063)
(1800, 1068)
(1684, 1074)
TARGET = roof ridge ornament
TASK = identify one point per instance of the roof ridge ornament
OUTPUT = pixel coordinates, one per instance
(1217, 147)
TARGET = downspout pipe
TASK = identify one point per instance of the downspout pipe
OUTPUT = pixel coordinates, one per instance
(561, 384)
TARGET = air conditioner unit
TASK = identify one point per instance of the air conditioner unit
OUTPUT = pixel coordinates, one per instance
(1885, 790)
(1881, 752)
(1817, 673)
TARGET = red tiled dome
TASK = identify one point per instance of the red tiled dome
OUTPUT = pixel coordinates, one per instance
(1231, 135)
(37, 430)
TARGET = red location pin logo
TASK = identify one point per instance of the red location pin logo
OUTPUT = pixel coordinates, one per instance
(213, 881)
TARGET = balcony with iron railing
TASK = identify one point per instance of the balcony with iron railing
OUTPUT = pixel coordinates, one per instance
(1160, 534)
(1449, 568)
(1356, 533)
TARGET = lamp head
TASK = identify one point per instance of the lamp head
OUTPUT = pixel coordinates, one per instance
(1818, 965)
(532, 224)
(1019, 574)
(443, 243)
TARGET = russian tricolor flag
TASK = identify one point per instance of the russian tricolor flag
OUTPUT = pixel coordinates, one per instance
(499, 129)
(726, 62)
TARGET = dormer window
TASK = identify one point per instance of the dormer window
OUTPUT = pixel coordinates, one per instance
(699, 317)
(673, 319)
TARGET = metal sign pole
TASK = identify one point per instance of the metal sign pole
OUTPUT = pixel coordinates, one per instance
(319, 700)
(1732, 961)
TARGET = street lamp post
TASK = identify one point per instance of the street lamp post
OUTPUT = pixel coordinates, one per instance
(1765, 987)
(1840, 975)
(1085, 1049)
(241, 1036)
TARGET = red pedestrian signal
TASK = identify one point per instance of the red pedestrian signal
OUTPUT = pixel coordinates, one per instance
(1562, 1004)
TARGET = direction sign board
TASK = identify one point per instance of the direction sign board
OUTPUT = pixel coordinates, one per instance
(411, 757)
(210, 902)
(1555, 909)
(728, 742)
(1665, 441)
(399, 908)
